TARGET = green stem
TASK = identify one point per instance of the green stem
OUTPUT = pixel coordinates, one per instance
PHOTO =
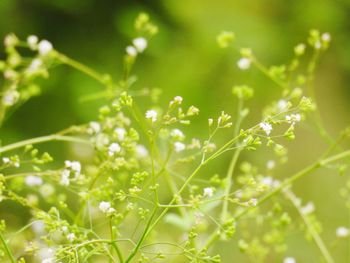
(7, 249)
(232, 165)
(143, 236)
(113, 244)
(318, 240)
(53, 137)
(103, 79)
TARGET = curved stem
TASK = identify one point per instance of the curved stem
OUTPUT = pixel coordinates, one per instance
(42, 139)
(318, 240)
(7, 249)
(103, 79)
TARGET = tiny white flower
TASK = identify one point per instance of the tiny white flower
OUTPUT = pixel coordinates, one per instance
(141, 151)
(114, 148)
(10, 97)
(104, 206)
(342, 232)
(94, 127)
(76, 166)
(267, 127)
(35, 65)
(110, 210)
(131, 51)
(38, 227)
(179, 146)
(10, 40)
(33, 180)
(270, 164)
(244, 63)
(289, 260)
(308, 208)
(101, 140)
(65, 177)
(293, 118)
(268, 181)
(152, 115)
(208, 192)
(177, 134)
(318, 45)
(64, 229)
(326, 37)
(44, 47)
(140, 44)
(177, 100)
(282, 105)
(32, 41)
(253, 202)
(120, 132)
(6, 160)
(48, 260)
(71, 237)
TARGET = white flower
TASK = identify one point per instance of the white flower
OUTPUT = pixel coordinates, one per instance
(110, 210)
(268, 181)
(38, 227)
(33, 180)
(342, 232)
(208, 192)
(244, 63)
(44, 47)
(293, 118)
(253, 202)
(179, 146)
(35, 65)
(152, 115)
(32, 41)
(65, 177)
(104, 206)
(71, 237)
(10, 97)
(282, 105)
(131, 51)
(74, 165)
(101, 140)
(177, 134)
(270, 164)
(6, 160)
(141, 151)
(48, 260)
(94, 127)
(176, 101)
(267, 128)
(114, 148)
(10, 40)
(140, 44)
(318, 44)
(120, 132)
(308, 208)
(326, 37)
(289, 260)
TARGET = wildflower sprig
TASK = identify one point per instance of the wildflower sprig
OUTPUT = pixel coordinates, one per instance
(145, 169)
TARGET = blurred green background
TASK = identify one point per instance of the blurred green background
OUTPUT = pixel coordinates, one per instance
(183, 59)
